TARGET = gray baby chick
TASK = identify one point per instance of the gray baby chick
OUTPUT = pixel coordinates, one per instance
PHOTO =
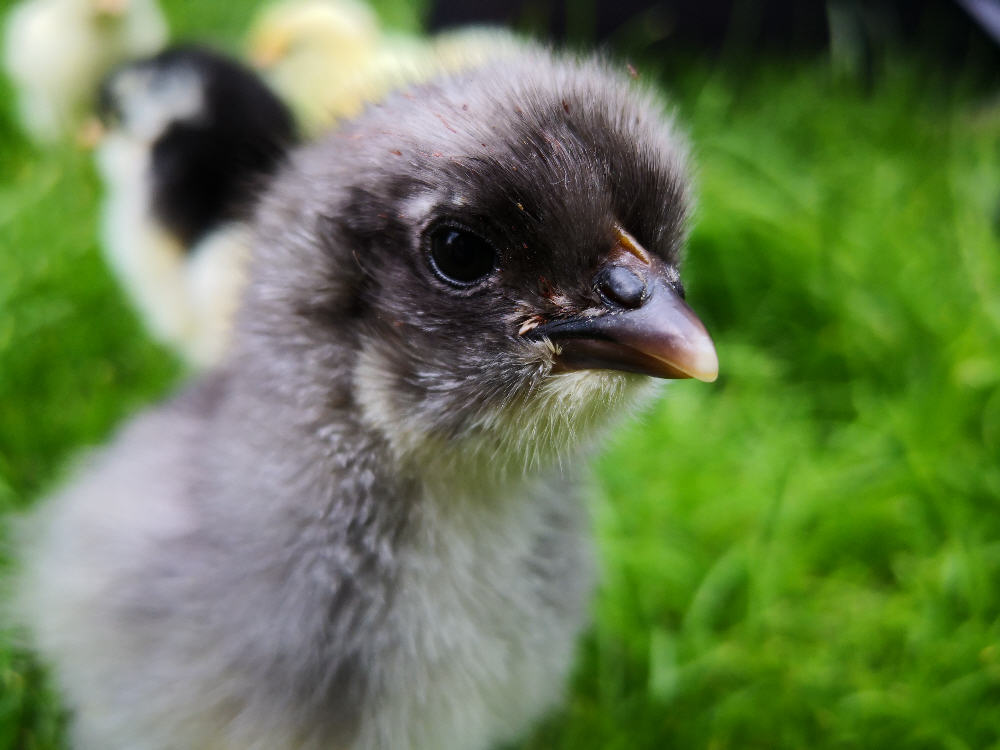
(362, 531)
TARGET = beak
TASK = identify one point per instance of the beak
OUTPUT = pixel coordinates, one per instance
(91, 133)
(647, 328)
(267, 51)
(111, 8)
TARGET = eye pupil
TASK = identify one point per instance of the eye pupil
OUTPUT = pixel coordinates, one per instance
(459, 256)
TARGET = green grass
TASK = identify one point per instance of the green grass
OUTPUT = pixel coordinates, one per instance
(805, 554)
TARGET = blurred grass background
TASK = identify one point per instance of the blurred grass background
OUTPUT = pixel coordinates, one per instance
(805, 554)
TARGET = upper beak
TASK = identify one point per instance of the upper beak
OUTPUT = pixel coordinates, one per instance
(266, 51)
(647, 328)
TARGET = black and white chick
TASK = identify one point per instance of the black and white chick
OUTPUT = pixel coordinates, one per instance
(191, 138)
(363, 530)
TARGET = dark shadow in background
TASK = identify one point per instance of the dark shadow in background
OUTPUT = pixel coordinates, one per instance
(950, 36)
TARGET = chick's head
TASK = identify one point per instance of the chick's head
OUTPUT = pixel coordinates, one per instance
(486, 267)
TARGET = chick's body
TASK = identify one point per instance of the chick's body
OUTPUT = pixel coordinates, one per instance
(56, 51)
(311, 601)
(362, 531)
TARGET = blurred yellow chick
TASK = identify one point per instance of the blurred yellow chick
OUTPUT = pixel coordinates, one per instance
(56, 51)
(328, 58)
(324, 57)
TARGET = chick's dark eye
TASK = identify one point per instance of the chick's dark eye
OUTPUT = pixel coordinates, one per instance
(459, 256)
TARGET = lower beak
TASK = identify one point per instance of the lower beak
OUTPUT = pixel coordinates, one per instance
(663, 338)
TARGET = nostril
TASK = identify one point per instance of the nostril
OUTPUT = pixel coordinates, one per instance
(621, 286)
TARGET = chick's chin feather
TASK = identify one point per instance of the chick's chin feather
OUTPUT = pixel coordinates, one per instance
(458, 429)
